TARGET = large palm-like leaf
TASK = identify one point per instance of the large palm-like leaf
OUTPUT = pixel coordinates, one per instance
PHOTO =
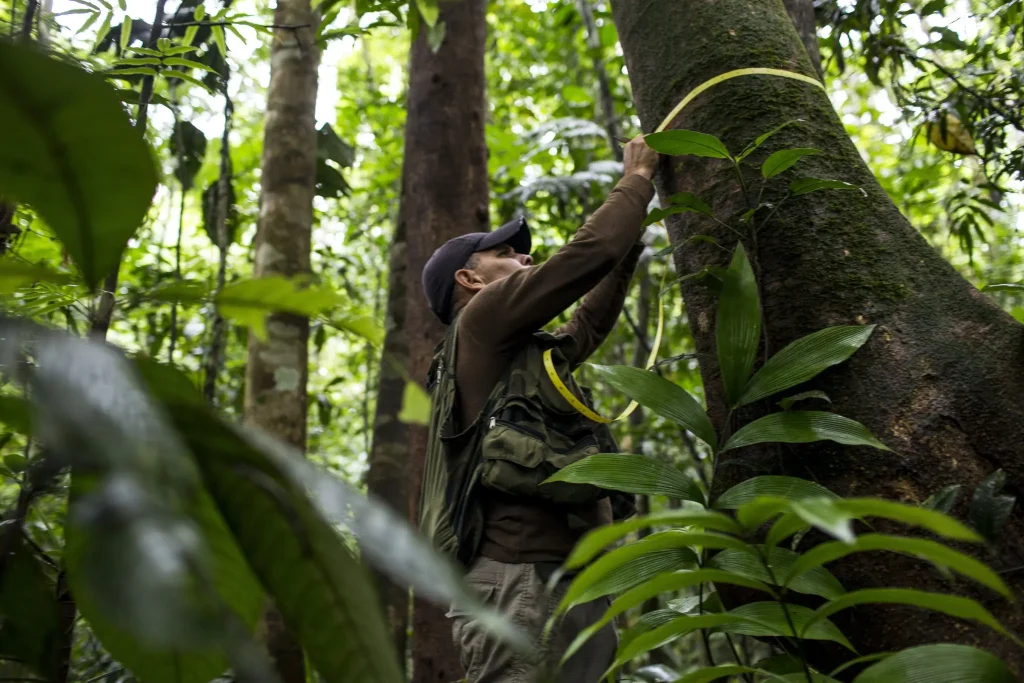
(738, 331)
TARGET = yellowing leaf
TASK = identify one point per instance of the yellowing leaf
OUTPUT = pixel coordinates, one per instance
(415, 405)
(954, 138)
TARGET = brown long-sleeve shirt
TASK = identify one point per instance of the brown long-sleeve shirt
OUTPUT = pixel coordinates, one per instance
(597, 265)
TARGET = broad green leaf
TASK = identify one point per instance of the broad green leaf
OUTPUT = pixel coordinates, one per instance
(769, 619)
(788, 402)
(802, 426)
(325, 595)
(710, 601)
(738, 329)
(682, 142)
(714, 673)
(669, 400)
(664, 540)
(690, 200)
(942, 663)
(674, 629)
(823, 514)
(600, 538)
(630, 473)
(93, 200)
(953, 605)
(645, 623)
(760, 139)
(784, 159)
(816, 582)
(788, 488)
(134, 71)
(415, 405)
(943, 500)
(17, 274)
(658, 215)
(249, 302)
(804, 359)
(785, 526)
(923, 549)
(913, 515)
(663, 583)
(805, 185)
(636, 571)
(359, 325)
(989, 510)
(863, 659)
(429, 11)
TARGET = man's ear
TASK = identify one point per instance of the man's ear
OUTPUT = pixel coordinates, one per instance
(469, 279)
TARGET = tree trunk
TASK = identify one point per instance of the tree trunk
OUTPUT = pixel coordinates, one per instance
(609, 120)
(939, 381)
(444, 131)
(802, 14)
(275, 382)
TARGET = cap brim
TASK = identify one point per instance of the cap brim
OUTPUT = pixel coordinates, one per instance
(515, 233)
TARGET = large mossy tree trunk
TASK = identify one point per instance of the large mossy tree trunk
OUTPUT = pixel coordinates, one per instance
(939, 381)
(444, 194)
(277, 369)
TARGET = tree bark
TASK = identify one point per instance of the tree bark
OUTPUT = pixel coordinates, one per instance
(802, 14)
(444, 194)
(275, 382)
(939, 381)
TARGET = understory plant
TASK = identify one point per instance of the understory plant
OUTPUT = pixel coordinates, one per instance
(747, 536)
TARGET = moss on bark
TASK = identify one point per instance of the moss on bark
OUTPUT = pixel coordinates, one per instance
(938, 382)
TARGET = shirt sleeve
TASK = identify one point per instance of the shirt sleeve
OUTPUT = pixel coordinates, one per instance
(504, 312)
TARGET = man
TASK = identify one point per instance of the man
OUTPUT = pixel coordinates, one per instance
(499, 428)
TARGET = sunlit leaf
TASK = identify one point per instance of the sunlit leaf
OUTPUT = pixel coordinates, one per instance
(249, 302)
(682, 142)
(415, 405)
(93, 200)
(784, 159)
(789, 488)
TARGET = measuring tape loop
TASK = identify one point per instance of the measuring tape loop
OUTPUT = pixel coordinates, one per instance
(549, 364)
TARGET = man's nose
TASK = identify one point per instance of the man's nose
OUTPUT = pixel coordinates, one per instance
(526, 259)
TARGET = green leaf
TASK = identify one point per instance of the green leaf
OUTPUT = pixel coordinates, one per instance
(930, 551)
(249, 302)
(662, 583)
(692, 201)
(415, 405)
(769, 619)
(714, 673)
(942, 663)
(738, 330)
(943, 500)
(800, 426)
(806, 185)
(181, 75)
(104, 29)
(805, 358)
(863, 659)
(823, 514)
(15, 274)
(789, 488)
(1004, 287)
(990, 511)
(575, 94)
(760, 139)
(93, 200)
(631, 573)
(788, 402)
(359, 325)
(190, 34)
(429, 11)
(134, 71)
(200, 12)
(632, 474)
(674, 629)
(658, 215)
(126, 33)
(138, 61)
(682, 142)
(818, 581)
(933, 521)
(665, 540)
(600, 538)
(217, 31)
(670, 401)
(784, 159)
(189, 64)
(952, 605)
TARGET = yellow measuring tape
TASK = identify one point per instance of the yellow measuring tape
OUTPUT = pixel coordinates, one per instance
(549, 364)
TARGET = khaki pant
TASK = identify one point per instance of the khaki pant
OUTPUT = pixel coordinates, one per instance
(519, 591)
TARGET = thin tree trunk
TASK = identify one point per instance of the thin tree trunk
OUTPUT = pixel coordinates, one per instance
(444, 130)
(604, 89)
(276, 374)
(939, 381)
(215, 357)
(802, 14)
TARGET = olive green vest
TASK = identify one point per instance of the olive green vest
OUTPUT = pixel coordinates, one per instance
(525, 432)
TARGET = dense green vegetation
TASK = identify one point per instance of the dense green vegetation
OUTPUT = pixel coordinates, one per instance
(142, 528)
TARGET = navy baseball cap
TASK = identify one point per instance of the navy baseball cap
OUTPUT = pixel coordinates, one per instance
(439, 273)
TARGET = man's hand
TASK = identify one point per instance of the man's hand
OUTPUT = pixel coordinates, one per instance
(639, 159)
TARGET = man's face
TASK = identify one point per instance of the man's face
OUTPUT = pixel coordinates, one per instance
(490, 266)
